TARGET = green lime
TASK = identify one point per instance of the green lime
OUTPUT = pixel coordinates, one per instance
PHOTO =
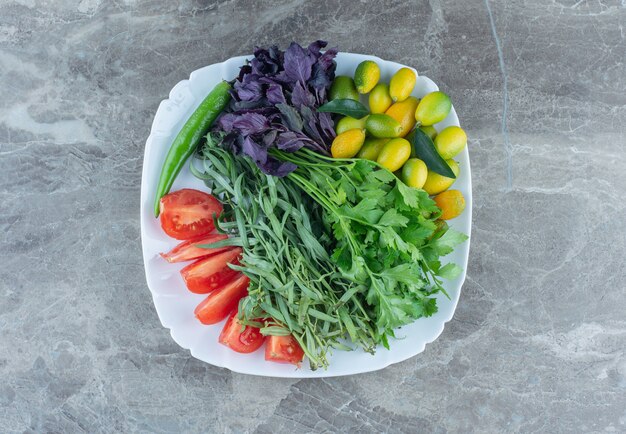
(379, 98)
(343, 88)
(347, 123)
(366, 76)
(394, 154)
(414, 173)
(450, 141)
(382, 126)
(371, 148)
(433, 108)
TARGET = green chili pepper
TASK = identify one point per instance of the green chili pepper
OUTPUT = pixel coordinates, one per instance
(189, 136)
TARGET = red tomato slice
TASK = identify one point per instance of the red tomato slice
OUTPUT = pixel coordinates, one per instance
(221, 302)
(205, 275)
(187, 213)
(283, 349)
(247, 341)
(187, 250)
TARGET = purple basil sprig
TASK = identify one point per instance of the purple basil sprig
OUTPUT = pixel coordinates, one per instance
(274, 105)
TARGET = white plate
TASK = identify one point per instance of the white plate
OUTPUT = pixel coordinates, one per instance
(175, 304)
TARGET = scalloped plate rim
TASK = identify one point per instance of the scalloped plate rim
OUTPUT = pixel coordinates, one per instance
(289, 371)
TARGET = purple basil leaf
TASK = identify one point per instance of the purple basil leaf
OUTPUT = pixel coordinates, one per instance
(251, 78)
(232, 142)
(323, 73)
(270, 80)
(229, 141)
(327, 60)
(275, 94)
(311, 131)
(250, 89)
(274, 104)
(277, 168)
(234, 96)
(326, 122)
(301, 96)
(306, 140)
(260, 67)
(297, 63)
(276, 120)
(258, 51)
(283, 79)
(276, 55)
(251, 123)
(320, 96)
(320, 78)
(238, 142)
(247, 105)
(254, 151)
(225, 122)
(245, 69)
(269, 138)
(266, 62)
(265, 111)
(315, 47)
(289, 142)
(290, 117)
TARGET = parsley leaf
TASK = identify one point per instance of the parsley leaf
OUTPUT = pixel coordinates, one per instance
(446, 243)
(391, 217)
(449, 271)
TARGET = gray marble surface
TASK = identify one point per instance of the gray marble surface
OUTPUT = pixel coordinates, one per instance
(538, 341)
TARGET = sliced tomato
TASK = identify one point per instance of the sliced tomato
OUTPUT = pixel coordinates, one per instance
(187, 213)
(187, 250)
(246, 341)
(283, 349)
(208, 274)
(221, 302)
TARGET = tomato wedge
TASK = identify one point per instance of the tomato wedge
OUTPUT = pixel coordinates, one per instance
(283, 349)
(187, 250)
(205, 275)
(188, 213)
(221, 302)
(246, 341)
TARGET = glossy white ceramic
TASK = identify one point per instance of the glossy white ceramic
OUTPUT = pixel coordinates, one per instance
(175, 304)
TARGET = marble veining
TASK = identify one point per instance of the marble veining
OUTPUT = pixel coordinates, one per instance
(538, 340)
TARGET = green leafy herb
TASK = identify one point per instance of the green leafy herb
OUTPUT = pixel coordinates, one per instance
(424, 149)
(450, 271)
(346, 107)
(339, 252)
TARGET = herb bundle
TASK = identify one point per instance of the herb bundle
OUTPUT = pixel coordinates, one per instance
(274, 105)
(388, 239)
(339, 252)
(294, 284)
(346, 263)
